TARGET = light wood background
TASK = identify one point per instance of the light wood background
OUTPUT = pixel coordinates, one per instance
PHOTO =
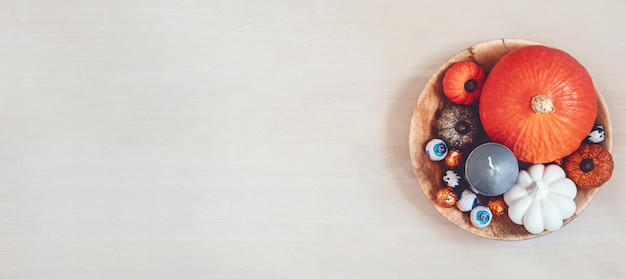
(265, 139)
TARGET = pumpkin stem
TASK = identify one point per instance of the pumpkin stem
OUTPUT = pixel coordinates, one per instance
(470, 85)
(462, 127)
(538, 189)
(586, 165)
(542, 104)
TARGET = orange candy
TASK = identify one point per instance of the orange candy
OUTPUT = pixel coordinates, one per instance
(446, 197)
(453, 158)
(497, 206)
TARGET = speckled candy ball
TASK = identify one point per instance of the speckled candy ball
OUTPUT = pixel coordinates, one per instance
(497, 206)
(446, 197)
(453, 158)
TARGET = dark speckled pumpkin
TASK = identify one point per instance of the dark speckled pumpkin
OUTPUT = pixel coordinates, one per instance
(458, 126)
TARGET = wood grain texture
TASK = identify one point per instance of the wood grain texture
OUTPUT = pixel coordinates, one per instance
(423, 128)
(265, 139)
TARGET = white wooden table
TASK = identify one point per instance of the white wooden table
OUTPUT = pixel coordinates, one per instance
(264, 139)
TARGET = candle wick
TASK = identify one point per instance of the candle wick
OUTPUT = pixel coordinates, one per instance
(491, 166)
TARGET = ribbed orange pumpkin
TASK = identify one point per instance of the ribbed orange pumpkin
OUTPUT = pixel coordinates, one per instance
(463, 82)
(539, 102)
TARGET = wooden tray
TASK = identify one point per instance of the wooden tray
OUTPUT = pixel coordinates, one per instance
(428, 173)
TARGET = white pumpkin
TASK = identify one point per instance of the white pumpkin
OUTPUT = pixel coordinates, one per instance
(541, 198)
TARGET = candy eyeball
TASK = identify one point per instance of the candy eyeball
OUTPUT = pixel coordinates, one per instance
(467, 201)
(436, 149)
(481, 216)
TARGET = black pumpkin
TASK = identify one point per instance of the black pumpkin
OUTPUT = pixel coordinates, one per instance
(458, 126)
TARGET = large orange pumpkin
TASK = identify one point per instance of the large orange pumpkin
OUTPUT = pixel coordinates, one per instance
(539, 102)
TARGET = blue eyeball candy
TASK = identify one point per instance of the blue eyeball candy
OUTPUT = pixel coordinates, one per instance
(467, 201)
(481, 216)
(436, 149)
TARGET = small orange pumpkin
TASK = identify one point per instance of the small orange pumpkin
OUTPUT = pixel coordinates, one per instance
(463, 82)
(589, 166)
(539, 102)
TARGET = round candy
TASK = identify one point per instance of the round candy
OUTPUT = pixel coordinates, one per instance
(596, 135)
(467, 201)
(480, 216)
(451, 178)
(436, 149)
(446, 197)
(497, 206)
(453, 158)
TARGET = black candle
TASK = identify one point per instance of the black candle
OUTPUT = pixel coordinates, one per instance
(491, 169)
